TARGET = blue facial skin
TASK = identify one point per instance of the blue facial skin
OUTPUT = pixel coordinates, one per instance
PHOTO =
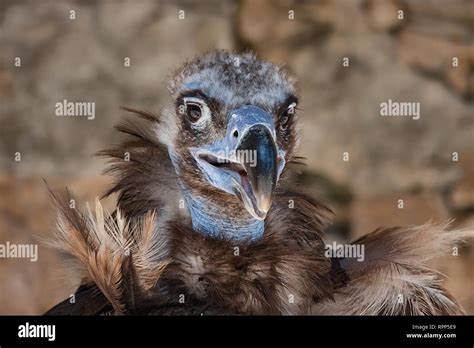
(209, 221)
(206, 216)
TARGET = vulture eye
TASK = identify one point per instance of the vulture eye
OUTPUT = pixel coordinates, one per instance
(193, 112)
(196, 112)
(286, 117)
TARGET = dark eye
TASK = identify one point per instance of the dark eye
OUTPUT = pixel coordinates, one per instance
(193, 112)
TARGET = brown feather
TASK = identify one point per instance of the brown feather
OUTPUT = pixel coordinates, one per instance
(103, 249)
(395, 277)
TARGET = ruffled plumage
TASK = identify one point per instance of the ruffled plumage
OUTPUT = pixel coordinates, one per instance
(145, 258)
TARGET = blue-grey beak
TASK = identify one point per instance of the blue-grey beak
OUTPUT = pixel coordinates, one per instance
(262, 173)
(247, 161)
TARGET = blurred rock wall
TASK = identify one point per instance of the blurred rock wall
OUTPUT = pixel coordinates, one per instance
(390, 158)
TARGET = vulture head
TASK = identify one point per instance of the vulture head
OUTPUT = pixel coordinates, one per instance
(229, 135)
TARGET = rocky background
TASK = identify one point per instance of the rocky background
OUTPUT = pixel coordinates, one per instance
(82, 59)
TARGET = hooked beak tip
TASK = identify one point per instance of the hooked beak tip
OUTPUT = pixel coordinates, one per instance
(264, 203)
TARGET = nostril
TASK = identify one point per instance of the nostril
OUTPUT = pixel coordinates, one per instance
(236, 133)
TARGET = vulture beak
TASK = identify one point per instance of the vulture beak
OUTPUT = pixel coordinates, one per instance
(258, 155)
(247, 161)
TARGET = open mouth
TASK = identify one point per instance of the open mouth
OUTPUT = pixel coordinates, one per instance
(224, 163)
(241, 182)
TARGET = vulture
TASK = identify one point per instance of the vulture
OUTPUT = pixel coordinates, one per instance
(209, 222)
